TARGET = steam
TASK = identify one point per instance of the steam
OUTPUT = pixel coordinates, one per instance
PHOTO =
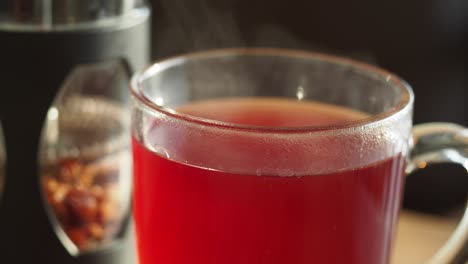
(186, 25)
(196, 25)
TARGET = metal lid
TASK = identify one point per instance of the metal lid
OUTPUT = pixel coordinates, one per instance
(47, 15)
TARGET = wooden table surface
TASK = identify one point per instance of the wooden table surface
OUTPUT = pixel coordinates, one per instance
(419, 236)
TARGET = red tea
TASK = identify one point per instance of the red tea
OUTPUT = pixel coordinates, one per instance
(187, 214)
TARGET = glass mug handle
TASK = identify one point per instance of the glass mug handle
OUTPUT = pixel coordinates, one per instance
(442, 143)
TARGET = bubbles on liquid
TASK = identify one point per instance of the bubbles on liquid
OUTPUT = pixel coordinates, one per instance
(258, 172)
(285, 173)
(159, 150)
(277, 173)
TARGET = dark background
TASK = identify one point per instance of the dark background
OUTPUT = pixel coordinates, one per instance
(423, 41)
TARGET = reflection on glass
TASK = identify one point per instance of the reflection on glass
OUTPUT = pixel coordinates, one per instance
(85, 159)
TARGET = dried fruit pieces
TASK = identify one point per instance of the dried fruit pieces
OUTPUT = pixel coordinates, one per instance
(84, 196)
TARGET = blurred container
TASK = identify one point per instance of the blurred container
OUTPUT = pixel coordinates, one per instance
(63, 108)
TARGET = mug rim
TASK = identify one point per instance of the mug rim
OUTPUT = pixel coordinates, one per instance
(404, 104)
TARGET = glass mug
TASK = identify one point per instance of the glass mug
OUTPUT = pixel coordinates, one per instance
(277, 156)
